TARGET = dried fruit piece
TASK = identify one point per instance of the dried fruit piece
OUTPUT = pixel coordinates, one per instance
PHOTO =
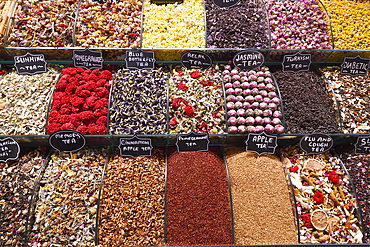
(313, 164)
(319, 219)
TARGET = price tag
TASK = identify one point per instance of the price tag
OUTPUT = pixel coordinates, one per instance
(67, 140)
(196, 60)
(166, 1)
(192, 142)
(139, 59)
(9, 149)
(135, 146)
(30, 64)
(297, 62)
(354, 66)
(88, 59)
(261, 143)
(225, 3)
(316, 143)
(248, 60)
(362, 145)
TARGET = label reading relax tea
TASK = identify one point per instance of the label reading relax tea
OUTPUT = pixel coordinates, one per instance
(139, 59)
(67, 140)
(9, 149)
(196, 60)
(261, 143)
(354, 66)
(192, 142)
(88, 59)
(296, 63)
(248, 60)
(135, 146)
(316, 143)
(30, 64)
(362, 145)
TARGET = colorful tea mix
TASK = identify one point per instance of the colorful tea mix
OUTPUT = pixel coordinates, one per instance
(139, 102)
(198, 206)
(260, 217)
(352, 93)
(112, 24)
(308, 107)
(196, 101)
(67, 201)
(327, 210)
(5, 12)
(132, 206)
(178, 25)
(241, 26)
(24, 102)
(80, 101)
(17, 180)
(253, 103)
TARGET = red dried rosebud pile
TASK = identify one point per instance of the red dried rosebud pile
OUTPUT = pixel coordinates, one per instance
(80, 101)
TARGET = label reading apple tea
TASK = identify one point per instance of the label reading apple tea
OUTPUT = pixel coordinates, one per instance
(261, 143)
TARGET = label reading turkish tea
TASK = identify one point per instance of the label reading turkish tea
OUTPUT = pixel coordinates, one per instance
(261, 143)
(30, 64)
(9, 149)
(192, 142)
(135, 146)
(248, 60)
(296, 63)
(88, 59)
(225, 3)
(362, 145)
(354, 66)
(316, 143)
(139, 59)
(196, 60)
(67, 140)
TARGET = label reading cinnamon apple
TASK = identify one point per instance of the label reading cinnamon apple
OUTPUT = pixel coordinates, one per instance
(135, 146)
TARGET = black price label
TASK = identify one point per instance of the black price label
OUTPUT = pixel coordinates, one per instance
(196, 60)
(30, 64)
(248, 60)
(166, 1)
(139, 59)
(135, 146)
(67, 140)
(261, 143)
(297, 62)
(354, 66)
(9, 149)
(362, 145)
(225, 3)
(88, 59)
(316, 143)
(192, 142)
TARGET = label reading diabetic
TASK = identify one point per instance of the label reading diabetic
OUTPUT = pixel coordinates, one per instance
(225, 3)
(9, 149)
(139, 59)
(248, 60)
(135, 147)
(30, 64)
(354, 66)
(88, 59)
(192, 142)
(67, 140)
(196, 60)
(362, 145)
(316, 143)
(261, 143)
(297, 62)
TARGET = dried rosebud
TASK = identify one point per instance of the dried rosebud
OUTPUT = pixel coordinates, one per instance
(258, 120)
(238, 91)
(233, 129)
(276, 121)
(230, 98)
(267, 113)
(269, 128)
(267, 120)
(240, 120)
(255, 91)
(236, 84)
(231, 113)
(247, 92)
(246, 105)
(259, 129)
(241, 112)
(232, 120)
(228, 85)
(230, 105)
(267, 100)
(255, 105)
(250, 120)
(238, 105)
(251, 129)
(277, 114)
(279, 129)
(275, 100)
(242, 129)
(239, 98)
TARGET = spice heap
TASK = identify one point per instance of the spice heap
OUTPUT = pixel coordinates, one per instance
(114, 24)
(17, 180)
(5, 11)
(80, 101)
(350, 20)
(298, 25)
(67, 202)
(24, 101)
(44, 23)
(252, 101)
(198, 207)
(242, 26)
(260, 217)
(139, 102)
(352, 93)
(359, 171)
(132, 209)
(327, 211)
(307, 105)
(179, 25)
(196, 101)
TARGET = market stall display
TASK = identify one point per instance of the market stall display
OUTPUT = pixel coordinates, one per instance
(5, 12)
